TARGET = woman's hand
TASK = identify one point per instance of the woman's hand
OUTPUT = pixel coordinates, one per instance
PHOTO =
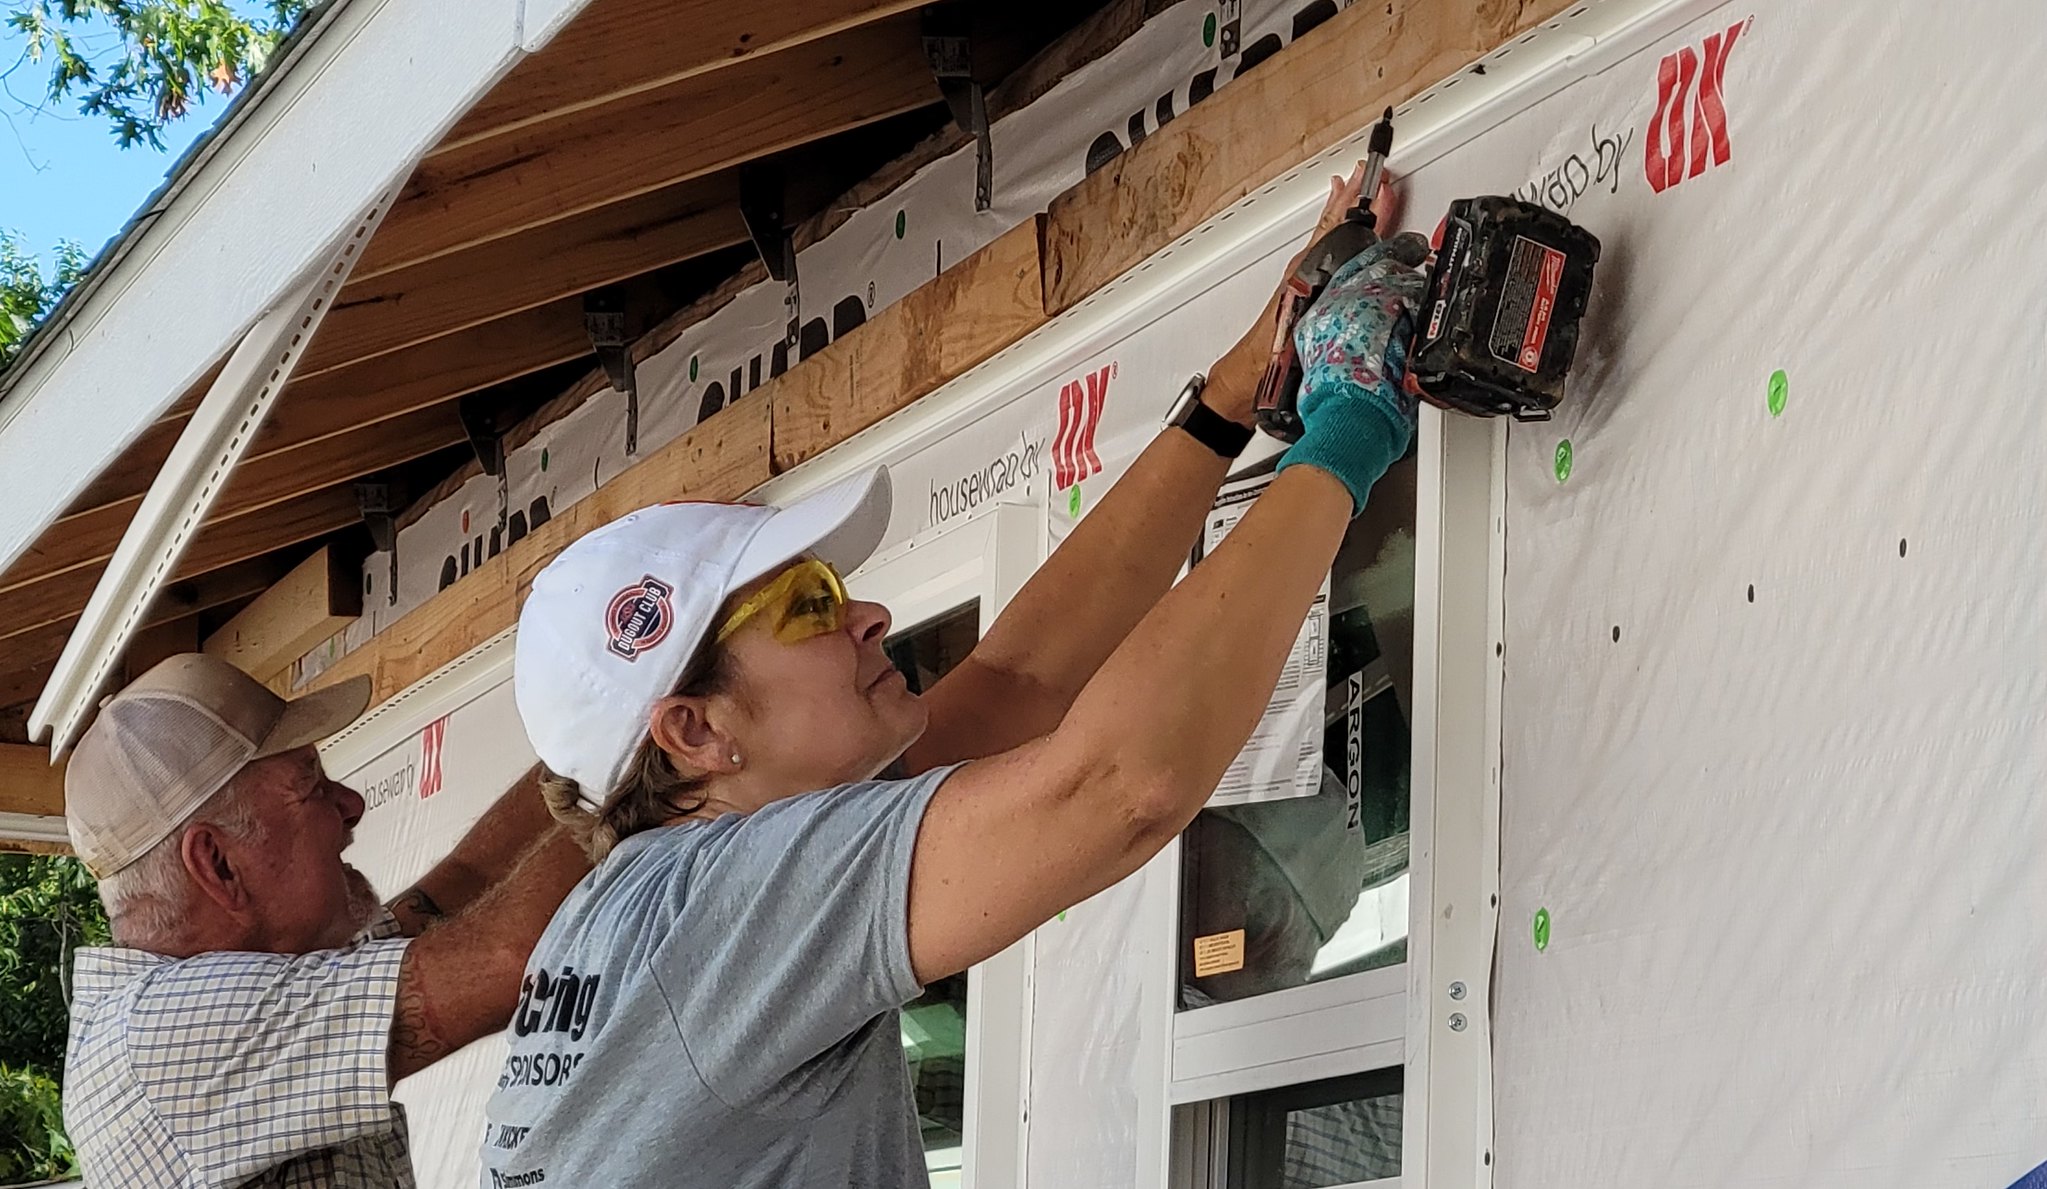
(1233, 381)
(1353, 349)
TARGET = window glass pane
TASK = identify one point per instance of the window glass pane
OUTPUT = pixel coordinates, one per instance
(1338, 1132)
(929, 650)
(1316, 887)
(935, 1023)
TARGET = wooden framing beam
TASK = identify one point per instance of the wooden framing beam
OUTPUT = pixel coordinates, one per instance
(266, 480)
(721, 459)
(396, 309)
(1319, 90)
(1295, 105)
(325, 408)
(946, 328)
(537, 175)
(30, 605)
(317, 599)
(619, 48)
(28, 782)
(159, 642)
(982, 305)
(28, 656)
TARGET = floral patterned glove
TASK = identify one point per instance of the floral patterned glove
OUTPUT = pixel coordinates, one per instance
(1352, 345)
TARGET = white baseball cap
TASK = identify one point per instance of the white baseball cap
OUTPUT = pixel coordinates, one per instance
(173, 738)
(612, 622)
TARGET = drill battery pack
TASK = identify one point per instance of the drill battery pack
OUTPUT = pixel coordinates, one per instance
(1505, 296)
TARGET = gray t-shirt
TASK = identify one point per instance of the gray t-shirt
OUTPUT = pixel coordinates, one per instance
(716, 1005)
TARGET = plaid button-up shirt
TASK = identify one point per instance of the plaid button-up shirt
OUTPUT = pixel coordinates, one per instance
(237, 1068)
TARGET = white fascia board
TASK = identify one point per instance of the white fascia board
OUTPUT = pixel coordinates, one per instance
(219, 432)
(367, 99)
(545, 18)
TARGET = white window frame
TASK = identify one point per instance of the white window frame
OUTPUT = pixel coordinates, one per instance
(1340, 1026)
(1200, 1158)
(1429, 1013)
(1460, 570)
(986, 559)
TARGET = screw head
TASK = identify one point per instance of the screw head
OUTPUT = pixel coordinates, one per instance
(1456, 990)
(1457, 1021)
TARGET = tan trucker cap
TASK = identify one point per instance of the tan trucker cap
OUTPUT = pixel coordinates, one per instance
(175, 737)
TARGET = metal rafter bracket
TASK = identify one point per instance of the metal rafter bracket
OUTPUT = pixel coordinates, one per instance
(480, 421)
(948, 43)
(604, 319)
(763, 205)
(380, 504)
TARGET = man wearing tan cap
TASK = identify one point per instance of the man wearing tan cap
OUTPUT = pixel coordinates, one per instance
(258, 1003)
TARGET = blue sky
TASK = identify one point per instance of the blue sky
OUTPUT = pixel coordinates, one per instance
(61, 174)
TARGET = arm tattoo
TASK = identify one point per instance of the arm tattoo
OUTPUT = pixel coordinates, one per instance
(416, 910)
(416, 1040)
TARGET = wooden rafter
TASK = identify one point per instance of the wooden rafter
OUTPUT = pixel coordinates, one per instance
(29, 783)
(620, 48)
(28, 656)
(321, 596)
(321, 419)
(30, 605)
(402, 307)
(1248, 134)
(537, 175)
(261, 482)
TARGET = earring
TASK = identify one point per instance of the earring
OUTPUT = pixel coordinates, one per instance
(735, 759)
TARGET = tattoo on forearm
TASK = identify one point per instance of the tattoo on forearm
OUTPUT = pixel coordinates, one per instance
(417, 909)
(416, 1040)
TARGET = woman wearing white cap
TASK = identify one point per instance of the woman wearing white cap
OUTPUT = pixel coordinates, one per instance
(716, 1004)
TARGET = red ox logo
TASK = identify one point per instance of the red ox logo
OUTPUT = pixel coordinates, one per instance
(1664, 156)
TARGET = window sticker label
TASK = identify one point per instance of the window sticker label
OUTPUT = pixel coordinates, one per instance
(1283, 758)
(1218, 953)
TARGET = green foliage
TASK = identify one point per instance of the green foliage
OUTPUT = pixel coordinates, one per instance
(49, 906)
(139, 64)
(25, 294)
(33, 1146)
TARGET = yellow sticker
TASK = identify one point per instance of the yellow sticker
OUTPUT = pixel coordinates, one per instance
(1218, 953)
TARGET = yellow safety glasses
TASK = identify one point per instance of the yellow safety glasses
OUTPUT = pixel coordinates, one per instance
(807, 599)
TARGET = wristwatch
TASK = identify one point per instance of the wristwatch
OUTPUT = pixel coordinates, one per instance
(1204, 424)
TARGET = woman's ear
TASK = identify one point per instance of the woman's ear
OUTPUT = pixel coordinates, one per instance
(687, 727)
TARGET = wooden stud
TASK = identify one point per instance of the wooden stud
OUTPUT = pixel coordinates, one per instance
(319, 598)
(1321, 89)
(509, 184)
(28, 782)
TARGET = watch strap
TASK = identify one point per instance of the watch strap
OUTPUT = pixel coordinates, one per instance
(1212, 429)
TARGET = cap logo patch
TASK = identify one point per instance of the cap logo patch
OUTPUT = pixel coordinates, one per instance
(639, 617)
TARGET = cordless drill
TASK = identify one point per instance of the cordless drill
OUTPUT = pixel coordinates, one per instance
(1499, 323)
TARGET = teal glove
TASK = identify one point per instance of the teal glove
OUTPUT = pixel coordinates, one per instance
(1352, 344)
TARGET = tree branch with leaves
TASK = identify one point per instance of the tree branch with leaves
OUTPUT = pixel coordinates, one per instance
(140, 64)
